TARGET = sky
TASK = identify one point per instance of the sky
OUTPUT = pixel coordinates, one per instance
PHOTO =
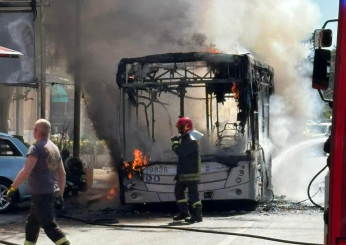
(329, 10)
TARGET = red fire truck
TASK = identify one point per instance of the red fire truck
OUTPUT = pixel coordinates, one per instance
(335, 207)
(9, 53)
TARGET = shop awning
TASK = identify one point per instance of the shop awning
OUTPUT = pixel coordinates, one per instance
(9, 53)
(59, 94)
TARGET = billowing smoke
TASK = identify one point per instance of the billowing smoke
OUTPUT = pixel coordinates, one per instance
(273, 32)
(112, 29)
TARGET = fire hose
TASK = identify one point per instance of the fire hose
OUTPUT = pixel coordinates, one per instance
(310, 198)
(164, 227)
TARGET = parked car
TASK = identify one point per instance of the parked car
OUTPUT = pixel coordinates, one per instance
(316, 129)
(13, 154)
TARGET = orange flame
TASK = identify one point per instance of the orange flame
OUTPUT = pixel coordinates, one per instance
(140, 162)
(211, 49)
(235, 92)
(127, 168)
(111, 195)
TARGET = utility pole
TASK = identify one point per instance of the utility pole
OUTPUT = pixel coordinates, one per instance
(43, 61)
(77, 80)
(19, 111)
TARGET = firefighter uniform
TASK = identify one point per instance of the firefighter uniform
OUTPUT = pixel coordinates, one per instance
(188, 174)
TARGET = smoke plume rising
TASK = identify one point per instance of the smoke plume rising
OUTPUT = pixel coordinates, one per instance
(112, 30)
(272, 31)
(269, 29)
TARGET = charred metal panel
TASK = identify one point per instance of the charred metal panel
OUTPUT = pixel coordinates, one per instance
(219, 62)
(231, 194)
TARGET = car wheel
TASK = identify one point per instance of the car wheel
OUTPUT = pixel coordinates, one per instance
(5, 205)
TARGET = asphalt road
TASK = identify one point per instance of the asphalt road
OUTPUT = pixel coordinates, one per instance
(283, 223)
(283, 220)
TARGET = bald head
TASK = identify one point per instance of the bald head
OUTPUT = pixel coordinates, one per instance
(42, 128)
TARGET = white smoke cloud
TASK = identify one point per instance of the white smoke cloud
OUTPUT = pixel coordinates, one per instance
(272, 31)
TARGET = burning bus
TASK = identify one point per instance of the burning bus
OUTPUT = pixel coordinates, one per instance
(228, 98)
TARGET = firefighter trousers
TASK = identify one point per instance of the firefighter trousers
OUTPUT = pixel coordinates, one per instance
(180, 188)
(42, 215)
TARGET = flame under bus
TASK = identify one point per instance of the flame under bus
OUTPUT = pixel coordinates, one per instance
(228, 98)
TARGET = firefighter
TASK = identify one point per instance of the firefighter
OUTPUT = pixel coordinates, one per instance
(188, 171)
(75, 175)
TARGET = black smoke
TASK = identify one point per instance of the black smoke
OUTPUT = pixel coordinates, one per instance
(111, 30)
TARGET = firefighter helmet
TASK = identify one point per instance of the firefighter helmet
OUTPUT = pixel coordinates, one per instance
(184, 125)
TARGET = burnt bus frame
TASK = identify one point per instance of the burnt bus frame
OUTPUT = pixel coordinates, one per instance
(255, 76)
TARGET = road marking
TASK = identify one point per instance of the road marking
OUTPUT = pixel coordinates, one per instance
(230, 239)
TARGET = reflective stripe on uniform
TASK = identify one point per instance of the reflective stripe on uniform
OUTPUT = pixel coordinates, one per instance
(189, 177)
(197, 203)
(68, 182)
(61, 241)
(29, 243)
(197, 178)
(182, 200)
(175, 144)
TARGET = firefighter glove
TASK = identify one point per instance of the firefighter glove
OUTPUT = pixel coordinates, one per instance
(83, 178)
(82, 186)
(175, 144)
(175, 138)
(59, 202)
(10, 192)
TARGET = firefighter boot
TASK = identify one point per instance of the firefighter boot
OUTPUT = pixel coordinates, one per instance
(183, 208)
(196, 214)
